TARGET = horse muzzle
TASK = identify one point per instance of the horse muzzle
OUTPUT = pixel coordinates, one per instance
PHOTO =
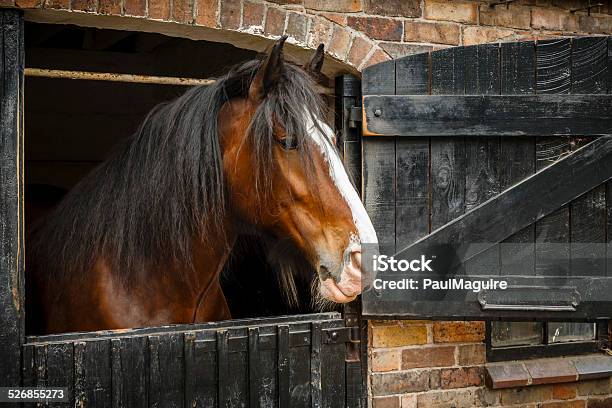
(348, 283)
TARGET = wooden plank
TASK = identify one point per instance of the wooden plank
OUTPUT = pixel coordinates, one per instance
(201, 373)
(378, 171)
(223, 374)
(92, 373)
(255, 383)
(316, 397)
(447, 154)
(412, 75)
(283, 365)
(379, 79)
(129, 367)
(11, 180)
(412, 159)
(28, 370)
(488, 115)
(553, 76)
(379, 188)
(106, 334)
(482, 68)
(521, 205)
(588, 212)
(60, 369)
(166, 370)
(517, 155)
(333, 375)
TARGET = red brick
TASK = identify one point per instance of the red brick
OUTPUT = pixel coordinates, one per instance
(252, 14)
(399, 334)
(386, 402)
(275, 21)
(159, 9)
(551, 19)
(229, 16)
(7, 3)
(348, 6)
(449, 399)
(337, 18)
(399, 8)
(398, 50)
(471, 354)
(182, 11)
(524, 395)
(461, 377)
(513, 16)
(378, 28)
(595, 24)
(359, 50)
(563, 404)
(24, 4)
(409, 401)
(399, 382)
(442, 33)
(599, 402)
(84, 5)
(320, 31)
(377, 57)
(595, 387)
(112, 7)
(564, 391)
(57, 4)
(386, 360)
(292, 2)
(297, 26)
(134, 7)
(428, 357)
(339, 43)
(207, 13)
(463, 12)
(481, 35)
(449, 332)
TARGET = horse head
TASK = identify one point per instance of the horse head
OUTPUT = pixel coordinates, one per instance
(284, 176)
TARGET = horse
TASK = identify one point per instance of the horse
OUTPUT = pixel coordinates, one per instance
(141, 240)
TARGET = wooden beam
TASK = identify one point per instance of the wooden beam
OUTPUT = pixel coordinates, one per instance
(113, 77)
(519, 206)
(487, 115)
(11, 197)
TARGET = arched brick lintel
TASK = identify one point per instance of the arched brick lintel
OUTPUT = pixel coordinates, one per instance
(242, 23)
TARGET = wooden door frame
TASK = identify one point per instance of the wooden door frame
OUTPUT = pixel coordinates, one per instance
(12, 317)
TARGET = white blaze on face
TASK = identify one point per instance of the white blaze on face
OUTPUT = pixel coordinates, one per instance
(365, 229)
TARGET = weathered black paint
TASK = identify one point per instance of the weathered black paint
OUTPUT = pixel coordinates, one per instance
(479, 115)
(11, 196)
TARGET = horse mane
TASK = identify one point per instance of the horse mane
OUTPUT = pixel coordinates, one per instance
(142, 208)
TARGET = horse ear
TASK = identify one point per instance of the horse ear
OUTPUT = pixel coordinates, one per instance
(269, 72)
(316, 62)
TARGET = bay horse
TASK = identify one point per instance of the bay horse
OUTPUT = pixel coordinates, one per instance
(141, 240)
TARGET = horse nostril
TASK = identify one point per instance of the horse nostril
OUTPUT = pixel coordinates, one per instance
(324, 272)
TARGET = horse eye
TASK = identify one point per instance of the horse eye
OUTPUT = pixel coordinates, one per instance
(288, 143)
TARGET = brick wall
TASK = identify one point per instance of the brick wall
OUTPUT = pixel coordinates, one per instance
(424, 364)
(357, 33)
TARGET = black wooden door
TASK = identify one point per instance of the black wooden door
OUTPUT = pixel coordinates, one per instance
(296, 361)
(494, 160)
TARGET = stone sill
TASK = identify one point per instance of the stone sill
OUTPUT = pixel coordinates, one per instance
(520, 373)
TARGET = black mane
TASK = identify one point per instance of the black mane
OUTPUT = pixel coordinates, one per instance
(142, 208)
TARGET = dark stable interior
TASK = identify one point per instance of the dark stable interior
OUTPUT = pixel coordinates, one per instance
(72, 125)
